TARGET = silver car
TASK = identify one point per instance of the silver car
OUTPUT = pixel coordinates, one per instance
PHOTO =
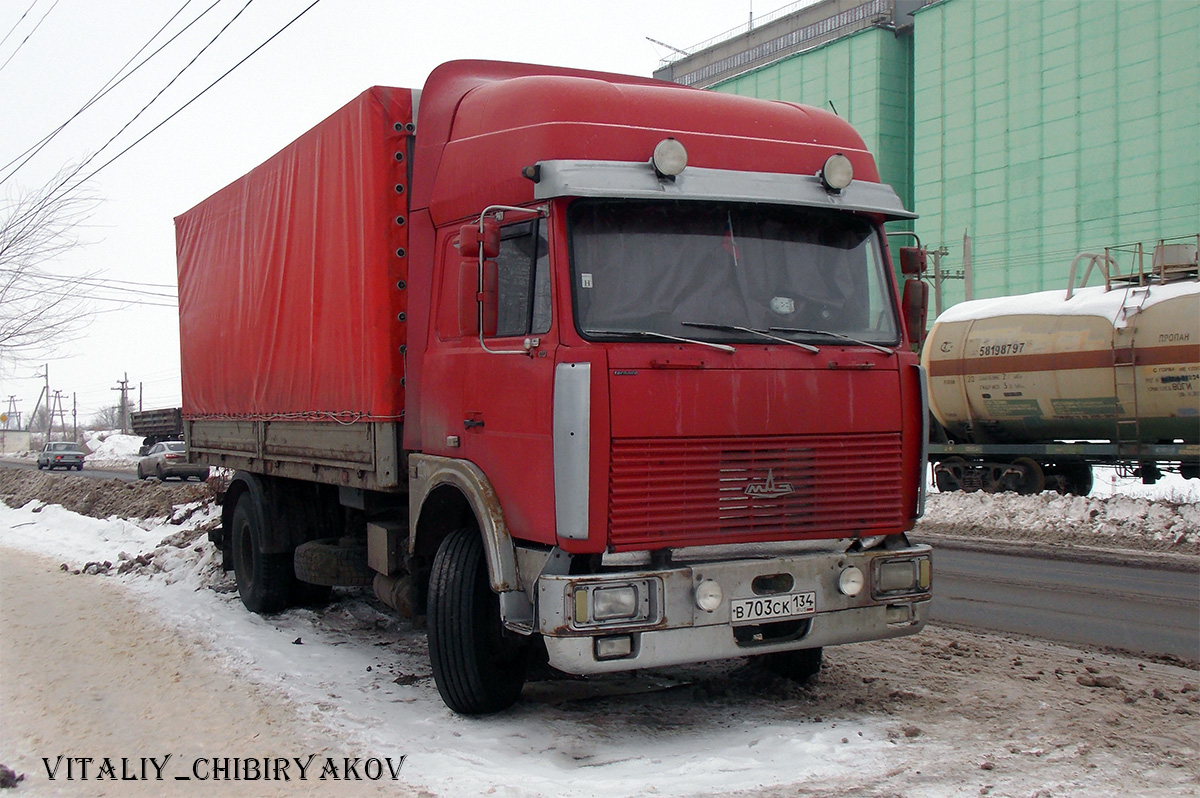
(61, 455)
(169, 459)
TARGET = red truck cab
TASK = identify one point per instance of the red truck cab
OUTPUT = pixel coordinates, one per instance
(678, 366)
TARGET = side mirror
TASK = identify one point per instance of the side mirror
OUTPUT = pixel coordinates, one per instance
(471, 240)
(916, 309)
(912, 261)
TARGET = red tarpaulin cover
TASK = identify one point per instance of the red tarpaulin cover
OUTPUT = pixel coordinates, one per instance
(288, 278)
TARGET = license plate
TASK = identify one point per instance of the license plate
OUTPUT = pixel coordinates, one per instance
(770, 608)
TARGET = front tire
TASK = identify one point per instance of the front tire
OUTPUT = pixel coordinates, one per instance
(479, 667)
(265, 582)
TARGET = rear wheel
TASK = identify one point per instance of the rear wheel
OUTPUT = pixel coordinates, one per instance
(265, 582)
(948, 474)
(799, 666)
(1077, 478)
(1033, 479)
(479, 667)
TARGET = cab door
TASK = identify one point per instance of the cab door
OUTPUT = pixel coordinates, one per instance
(494, 393)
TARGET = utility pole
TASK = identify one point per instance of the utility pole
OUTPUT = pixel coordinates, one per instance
(75, 416)
(123, 410)
(56, 409)
(46, 393)
(968, 276)
(14, 416)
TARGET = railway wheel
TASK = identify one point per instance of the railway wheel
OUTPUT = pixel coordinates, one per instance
(265, 582)
(948, 474)
(479, 666)
(1077, 478)
(1033, 479)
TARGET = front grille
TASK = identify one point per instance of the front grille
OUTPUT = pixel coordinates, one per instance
(700, 491)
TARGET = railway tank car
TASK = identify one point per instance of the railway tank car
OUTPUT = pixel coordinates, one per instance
(1031, 391)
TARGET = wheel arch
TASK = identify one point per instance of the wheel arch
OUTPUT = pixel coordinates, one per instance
(446, 494)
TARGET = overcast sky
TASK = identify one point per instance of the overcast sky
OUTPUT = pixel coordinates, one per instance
(59, 53)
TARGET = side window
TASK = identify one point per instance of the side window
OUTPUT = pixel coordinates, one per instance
(523, 281)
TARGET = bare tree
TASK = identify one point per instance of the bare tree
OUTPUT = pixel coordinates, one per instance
(39, 309)
(107, 418)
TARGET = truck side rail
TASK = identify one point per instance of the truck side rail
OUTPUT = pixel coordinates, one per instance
(362, 455)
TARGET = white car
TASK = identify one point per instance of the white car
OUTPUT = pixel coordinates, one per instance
(169, 459)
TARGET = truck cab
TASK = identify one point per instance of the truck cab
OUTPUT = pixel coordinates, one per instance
(667, 368)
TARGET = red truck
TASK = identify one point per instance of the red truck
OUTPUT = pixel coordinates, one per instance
(571, 365)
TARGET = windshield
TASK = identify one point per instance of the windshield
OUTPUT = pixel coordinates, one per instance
(175, 447)
(665, 267)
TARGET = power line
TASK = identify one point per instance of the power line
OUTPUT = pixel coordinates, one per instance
(201, 93)
(17, 24)
(64, 184)
(76, 170)
(28, 35)
(116, 80)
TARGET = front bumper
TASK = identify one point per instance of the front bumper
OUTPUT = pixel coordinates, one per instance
(677, 631)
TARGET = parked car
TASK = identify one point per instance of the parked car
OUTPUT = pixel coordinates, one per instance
(61, 455)
(169, 459)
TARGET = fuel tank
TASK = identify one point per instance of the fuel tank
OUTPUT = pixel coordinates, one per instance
(1119, 364)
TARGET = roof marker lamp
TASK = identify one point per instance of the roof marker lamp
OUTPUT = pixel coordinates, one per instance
(669, 159)
(837, 173)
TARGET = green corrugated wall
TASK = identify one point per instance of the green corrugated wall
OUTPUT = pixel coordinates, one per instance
(1044, 128)
(1041, 128)
(867, 77)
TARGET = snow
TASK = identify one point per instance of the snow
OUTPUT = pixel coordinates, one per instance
(333, 671)
(110, 445)
(1094, 301)
(365, 677)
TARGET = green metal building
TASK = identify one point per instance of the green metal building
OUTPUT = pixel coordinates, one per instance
(1022, 131)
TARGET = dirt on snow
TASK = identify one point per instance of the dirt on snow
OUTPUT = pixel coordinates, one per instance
(988, 714)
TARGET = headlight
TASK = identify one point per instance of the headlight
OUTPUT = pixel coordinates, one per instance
(609, 603)
(903, 576)
(618, 603)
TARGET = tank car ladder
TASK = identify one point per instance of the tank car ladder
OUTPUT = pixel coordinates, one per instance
(1125, 411)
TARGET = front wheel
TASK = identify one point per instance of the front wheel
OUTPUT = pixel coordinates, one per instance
(265, 582)
(478, 665)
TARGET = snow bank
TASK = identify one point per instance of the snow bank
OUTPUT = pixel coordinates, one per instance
(111, 447)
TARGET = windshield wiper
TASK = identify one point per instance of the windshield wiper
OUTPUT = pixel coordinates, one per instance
(831, 334)
(722, 347)
(735, 328)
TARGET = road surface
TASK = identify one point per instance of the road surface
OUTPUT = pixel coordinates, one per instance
(88, 471)
(1139, 608)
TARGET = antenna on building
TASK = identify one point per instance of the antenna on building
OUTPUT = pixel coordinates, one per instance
(668, 46)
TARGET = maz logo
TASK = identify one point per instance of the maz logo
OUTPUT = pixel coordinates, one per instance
(770, 489)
